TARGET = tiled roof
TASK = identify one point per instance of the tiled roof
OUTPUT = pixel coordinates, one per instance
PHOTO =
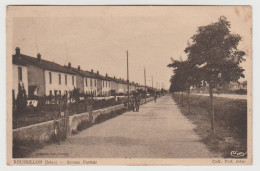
(116, 80)
(98, 76)
(18, 61)
(121, 81)
(81, 72)
(46, 65)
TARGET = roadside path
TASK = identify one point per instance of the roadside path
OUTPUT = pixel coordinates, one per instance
(159, 130)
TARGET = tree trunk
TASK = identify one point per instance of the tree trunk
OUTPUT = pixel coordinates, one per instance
(182, 98)
(212, 109)
(189, 98)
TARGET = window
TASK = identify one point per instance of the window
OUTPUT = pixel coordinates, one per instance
(20, 74)
(13, 93)
(95, 83)
(90, 82)
(65, 79)
(50, 93)
(86, 82)
(50, 77)
(59, 79)
(106, 83)
(72, 80)
(103, 83)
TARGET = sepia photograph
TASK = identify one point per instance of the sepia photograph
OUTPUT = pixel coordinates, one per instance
(129, 85)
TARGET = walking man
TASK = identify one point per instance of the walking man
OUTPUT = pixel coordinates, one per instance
(155, 97)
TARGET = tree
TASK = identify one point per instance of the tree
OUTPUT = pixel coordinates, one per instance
(214, 51)
(21, 101)
(186, 75)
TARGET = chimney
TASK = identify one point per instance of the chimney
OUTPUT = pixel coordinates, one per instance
(79, 68)
(69, 65)
(17, 51)
(91, 70)
(38, 57)
(97, 72)
(106, 74)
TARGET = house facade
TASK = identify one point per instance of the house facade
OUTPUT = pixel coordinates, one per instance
(118, 86)
(106, 87)
(40, 77)
(58, 82)
(86, 81)
(114, 85)
(20, 77)
(90, 80)
(90, 86)
(132, 87)
(47, 78)
(121, 87)
(103, 85)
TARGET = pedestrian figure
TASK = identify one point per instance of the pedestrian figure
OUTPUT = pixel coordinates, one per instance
(132, 105)
(155, 97)
(57, 132)
(21, 101)
(137, 102)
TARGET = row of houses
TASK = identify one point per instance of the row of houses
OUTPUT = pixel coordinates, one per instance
(41, 77)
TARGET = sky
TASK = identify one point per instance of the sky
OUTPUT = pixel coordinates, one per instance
(97, 37)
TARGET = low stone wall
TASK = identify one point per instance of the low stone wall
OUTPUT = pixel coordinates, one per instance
(108, 110)
(77, 119)
(43, 132)
(37, 133)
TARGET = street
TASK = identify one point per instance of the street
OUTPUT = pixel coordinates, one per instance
(159, 130)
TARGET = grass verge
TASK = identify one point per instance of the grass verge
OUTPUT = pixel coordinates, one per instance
(230, 123)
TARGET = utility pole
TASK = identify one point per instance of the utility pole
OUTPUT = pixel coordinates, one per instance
(152, 81)
(127, 80)
(145, 83)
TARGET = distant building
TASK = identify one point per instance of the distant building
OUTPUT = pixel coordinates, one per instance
(132, 87)
(47, 78)
(118, 85)
(142, 87)
(114, 85)
(234, 86)
(124, 85)
(243, 85)
(121, 86)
